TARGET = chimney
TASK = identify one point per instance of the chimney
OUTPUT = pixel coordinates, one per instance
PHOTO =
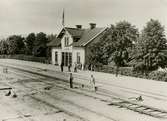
(79, 26)
(92, 25)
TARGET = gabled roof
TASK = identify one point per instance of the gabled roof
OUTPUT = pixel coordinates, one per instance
(84, 35)
(75, 32)
(55, 43)
(88, 36)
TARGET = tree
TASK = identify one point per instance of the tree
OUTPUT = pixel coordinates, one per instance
(29, 41)
(40, 45)
(151, 46)
(115, 44)
(12, 46)
(97, 55)
(101, 51)
(125, 37)
(15, 45)
(51, 37)
(3, 47)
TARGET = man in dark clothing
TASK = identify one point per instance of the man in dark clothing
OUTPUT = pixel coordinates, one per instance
(61, 67)
(69, 67)
(75, 67)
(116, 71)
(71, 80)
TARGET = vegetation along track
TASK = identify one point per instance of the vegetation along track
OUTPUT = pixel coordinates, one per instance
(122, 103)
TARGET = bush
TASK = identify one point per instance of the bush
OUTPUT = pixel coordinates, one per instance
(129, 71)
(140, 67)
(158, 75)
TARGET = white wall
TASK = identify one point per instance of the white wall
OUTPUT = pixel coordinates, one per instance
(71, 49)
(62, 49)
(63, 41)
(82, 54)
(74, 54)
(54, 49)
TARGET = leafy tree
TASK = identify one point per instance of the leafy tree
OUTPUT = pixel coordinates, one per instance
(15, 45)
(115, 44)
(151, 46)
(97, 55)
(125, 37)
(101, 51)
(51, 37)
(40, 45)
(12, 46)
(29, 41)
(3, 47)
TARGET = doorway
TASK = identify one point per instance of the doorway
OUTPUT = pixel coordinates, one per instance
(66, 58)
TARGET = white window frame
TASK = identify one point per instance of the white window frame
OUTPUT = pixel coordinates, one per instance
(66, 39)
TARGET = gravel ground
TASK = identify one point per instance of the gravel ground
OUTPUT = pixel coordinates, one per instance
(36, 104)
(24, 107)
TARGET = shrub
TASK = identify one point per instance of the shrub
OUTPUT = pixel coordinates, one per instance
(158, 75)
(129, 71)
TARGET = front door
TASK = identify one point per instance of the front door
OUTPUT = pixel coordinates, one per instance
(66, 58)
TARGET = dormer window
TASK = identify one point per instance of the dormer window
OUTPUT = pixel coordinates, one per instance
(76, 39)
(66, 41)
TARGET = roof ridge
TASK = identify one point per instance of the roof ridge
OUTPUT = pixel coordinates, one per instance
(74, 28)
(84, 28)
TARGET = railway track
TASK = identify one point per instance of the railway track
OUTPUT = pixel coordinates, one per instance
(61, 102)
(121, 103)
(67, 102)
(39, 99)
(82, 77)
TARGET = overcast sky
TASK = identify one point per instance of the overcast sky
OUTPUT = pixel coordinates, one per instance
(25, 16)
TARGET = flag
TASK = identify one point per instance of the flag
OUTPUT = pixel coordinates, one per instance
(63, 18)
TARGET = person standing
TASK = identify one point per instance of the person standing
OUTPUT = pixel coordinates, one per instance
(92, 81)
(61, 66)
(71, 80)
(116, 71)
(75, 67)
(69, 67)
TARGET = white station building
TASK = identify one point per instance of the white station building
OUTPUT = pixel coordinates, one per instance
(72, 44)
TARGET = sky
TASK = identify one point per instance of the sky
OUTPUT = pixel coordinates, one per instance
(26, 16)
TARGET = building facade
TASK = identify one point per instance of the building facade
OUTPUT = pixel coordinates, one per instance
(72, 44)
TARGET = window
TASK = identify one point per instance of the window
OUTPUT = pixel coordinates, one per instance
(76, 39)
(66, 41)
(78, 58)
(70, 58)
(66, 58)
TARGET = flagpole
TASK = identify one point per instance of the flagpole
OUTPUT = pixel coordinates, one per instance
(63, 21)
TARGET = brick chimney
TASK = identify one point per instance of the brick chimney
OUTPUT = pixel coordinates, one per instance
(92, 25)
(79, 26)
